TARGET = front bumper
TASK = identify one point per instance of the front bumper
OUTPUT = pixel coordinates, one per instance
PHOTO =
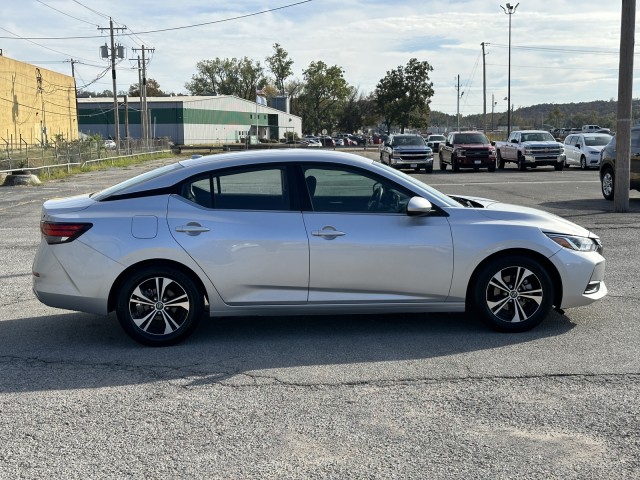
(582, 275)
(544, 160)
(412, 163)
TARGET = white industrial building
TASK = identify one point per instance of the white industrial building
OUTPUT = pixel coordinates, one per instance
(189, 120)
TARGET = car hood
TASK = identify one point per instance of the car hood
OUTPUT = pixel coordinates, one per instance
(472, 145)
(549, 144)
(547, 222)
(411, 147)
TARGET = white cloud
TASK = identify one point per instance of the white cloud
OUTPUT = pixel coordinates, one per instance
(365, 38)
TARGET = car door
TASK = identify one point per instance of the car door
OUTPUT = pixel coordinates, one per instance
(446, 148)
(239, 226)
(365, 248)
(571, 150)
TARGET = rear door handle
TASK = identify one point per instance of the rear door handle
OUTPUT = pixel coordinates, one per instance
(192, 228)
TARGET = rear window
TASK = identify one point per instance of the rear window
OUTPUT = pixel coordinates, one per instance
(132, 182)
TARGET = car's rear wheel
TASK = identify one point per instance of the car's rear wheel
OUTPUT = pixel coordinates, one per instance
(500, 160)
(513, 294)
(443, 166)
(607, 182)
(159, 306)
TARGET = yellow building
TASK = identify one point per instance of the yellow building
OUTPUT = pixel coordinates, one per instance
(36, 105)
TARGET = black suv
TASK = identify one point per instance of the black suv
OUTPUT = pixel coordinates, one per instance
(608, 164)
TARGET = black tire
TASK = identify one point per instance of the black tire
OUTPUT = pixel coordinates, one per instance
(428, 170)
(513, 294)
(500, 160)
(521, 165)
(559, 166)
(454, 165)
(607, 183)
(583, 163)
(492, 168)
(154, 320)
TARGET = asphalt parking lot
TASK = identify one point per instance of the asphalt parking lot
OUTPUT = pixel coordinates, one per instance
(395, 396)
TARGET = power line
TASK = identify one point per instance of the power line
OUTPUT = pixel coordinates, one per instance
(239, 17)
(66, 14)
(557, 49)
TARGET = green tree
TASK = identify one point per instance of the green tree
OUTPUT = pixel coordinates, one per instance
(228, 76)
(153, 89)
(404, 94)
(280, 66)
(323, 92)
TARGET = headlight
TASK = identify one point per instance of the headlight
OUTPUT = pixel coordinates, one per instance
(574, 242)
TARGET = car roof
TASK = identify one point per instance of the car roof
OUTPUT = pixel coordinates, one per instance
(195, 166)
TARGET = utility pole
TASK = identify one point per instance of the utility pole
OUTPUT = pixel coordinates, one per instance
(144, 107)
(75, 89)
(111, 28)
(510, 10)
(459, 96)
(484, 89)
(625, 87)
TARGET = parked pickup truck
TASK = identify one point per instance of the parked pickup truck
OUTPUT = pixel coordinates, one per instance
(531, 148)
(467, 150)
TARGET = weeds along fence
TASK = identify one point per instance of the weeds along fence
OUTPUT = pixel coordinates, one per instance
(40, 160)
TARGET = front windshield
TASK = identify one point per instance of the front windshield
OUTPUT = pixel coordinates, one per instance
(467, 138)
(596, 141)
(443, 199)
(538, 137)
(413, 140)
(131, 182)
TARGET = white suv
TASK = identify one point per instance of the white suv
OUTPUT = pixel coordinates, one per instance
(584, 149)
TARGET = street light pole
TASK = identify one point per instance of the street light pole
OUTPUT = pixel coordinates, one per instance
(510, 10)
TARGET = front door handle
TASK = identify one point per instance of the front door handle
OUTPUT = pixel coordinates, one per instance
(192, 228)
(328, 232)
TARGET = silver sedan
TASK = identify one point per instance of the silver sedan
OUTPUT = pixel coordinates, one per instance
(304, 232)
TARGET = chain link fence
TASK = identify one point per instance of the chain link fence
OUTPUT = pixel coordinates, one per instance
(39, 159)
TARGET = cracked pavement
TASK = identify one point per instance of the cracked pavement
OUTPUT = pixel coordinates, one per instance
(369, 396)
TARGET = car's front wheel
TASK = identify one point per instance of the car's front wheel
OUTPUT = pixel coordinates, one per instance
(513, 294)
(607, 182)
(159, 306)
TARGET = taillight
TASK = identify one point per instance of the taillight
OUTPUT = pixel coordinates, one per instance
(62, 232)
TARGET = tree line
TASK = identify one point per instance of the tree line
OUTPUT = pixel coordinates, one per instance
(325, 100)
(322, 97)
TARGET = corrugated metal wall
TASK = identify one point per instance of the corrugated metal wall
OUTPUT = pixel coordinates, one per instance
(36, 104)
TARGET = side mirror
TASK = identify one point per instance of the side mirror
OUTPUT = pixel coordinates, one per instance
(418, 206)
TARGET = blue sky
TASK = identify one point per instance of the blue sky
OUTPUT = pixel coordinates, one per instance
(562, 51)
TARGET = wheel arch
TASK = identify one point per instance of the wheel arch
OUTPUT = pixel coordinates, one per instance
(544, 261)
(156, 262)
